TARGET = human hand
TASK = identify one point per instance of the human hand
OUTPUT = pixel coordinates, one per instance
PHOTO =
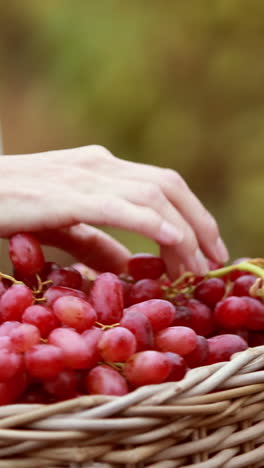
(59, 193)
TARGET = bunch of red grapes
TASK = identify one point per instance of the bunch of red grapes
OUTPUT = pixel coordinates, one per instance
(63, 334)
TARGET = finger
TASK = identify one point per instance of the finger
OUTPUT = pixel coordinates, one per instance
(89, 245)
(177, 191)
(187, 250)
(117, 212)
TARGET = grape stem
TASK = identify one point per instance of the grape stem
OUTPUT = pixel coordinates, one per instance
(252, 266)
(10, 278)
(106, 327)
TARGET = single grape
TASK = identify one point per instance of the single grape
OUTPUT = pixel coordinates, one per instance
(107, 298)
(126, 285)
(140, 326)
(159, 312)
(42, 317)
(54, 292)
(243, 284)
(63, 386)
(222, 347)
(67, 277)
(179, 340)
(24, 337)
(2, 288)
(255, 319)
(14, 301)
(10, 364)
(178, 367)
(48, 267)
(75, 351)
(117, 344)
(13, 388)
(232, 312)
(198, 357)
(210, 291)
(144, 290)
(104, 380)
(74, 312)
(202, 321)
(236, 331)
(7, 327)
(92, 337)
(44, 361)
(147, 367)
(182, 315)
(88, 276)
(143, 265)
(26, 254)
(5, 343)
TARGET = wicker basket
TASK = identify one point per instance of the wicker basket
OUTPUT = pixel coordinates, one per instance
(213, 418)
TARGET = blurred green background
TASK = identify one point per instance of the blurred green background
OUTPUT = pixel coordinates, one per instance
(176, 84)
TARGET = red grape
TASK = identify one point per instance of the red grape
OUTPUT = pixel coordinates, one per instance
(198, 356)
(179, 340)
(42, 317)
(104, 380)
(144, 290)
(92, 337)
(126, 285)
(243, 284)
(26, 254)
(117, 344)
(182, 315)
(63, 386)
(67, 277)
(2, 288)
(195, 315)
(44, 361)
(10, 364)
(178, 367)
(140, 326)
(232, 312)
(202, 321)
(48, 267)
(14, 301)
(5, 343)
(144, 265)
(107, 298)
(74, 312)
(255, 320)
(24, 337)
(75, 351)
(159, 312)
(7, 327)
(210, 291)
(54, 292)
(222, 347)
(147, 367)
(11, 390)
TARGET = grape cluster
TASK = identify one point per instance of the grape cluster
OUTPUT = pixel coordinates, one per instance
(63, 334)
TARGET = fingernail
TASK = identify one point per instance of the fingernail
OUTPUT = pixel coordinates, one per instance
(201, 262)
(169, 234)
(221, 251)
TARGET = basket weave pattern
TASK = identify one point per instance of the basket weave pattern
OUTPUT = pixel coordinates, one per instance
(213, 418)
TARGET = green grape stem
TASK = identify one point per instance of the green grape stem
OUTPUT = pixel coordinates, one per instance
(249, 266)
